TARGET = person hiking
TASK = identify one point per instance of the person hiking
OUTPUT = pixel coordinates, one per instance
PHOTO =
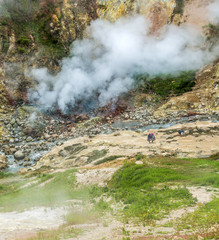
(181, 132)
(151, 137)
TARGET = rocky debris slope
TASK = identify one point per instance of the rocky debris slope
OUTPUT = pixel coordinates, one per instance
(204, 99)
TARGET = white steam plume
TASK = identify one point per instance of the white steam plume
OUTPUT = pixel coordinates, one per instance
(213, 12)
(104, 64)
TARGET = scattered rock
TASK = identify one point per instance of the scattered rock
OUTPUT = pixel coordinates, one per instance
(19, 155)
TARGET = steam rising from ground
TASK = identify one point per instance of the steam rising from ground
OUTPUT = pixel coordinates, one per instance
(104, 64)
(213, 10)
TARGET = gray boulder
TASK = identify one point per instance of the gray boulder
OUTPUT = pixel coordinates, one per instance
(19, 155)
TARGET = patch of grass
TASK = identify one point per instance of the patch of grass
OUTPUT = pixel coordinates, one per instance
(6, 175)
(203, 218)
(23, 40)
(214, 156)
(108, 159)
(82, 217)
(43, 177)
(102, 205)
(96, 154)
(22, 50)
(5, 188)
(139, 156)
(135, 186)
(132, 175)
(202, 172)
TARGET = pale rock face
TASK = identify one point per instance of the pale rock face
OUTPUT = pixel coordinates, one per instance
(158, 11)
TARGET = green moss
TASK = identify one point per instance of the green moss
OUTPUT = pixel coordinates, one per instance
(179, 7)
(23, 41)
(96, 154)
(166, 85)
(108, 159)
(22, 50)
(36, 25)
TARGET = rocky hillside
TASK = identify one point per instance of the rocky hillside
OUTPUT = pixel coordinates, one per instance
(43, 35)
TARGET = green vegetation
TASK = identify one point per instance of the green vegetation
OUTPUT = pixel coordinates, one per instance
(29, 20)
(5, 175)
(75, 148)
(96, 154)
(179, 7)
(148, 192)
(203, 218)
(21, 50)
(212, 33)
(167, 85)
(108, 159)
(137, 186)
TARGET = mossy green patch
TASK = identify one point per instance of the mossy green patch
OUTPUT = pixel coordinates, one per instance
(96, 154)
(166, 85)
(108, 159)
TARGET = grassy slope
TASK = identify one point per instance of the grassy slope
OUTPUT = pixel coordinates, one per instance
(148, 192)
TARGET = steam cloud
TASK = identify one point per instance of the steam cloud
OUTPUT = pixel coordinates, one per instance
(104, 64)
(213, 10)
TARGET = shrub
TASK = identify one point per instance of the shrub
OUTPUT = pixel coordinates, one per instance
(21, 50)
(23, 41)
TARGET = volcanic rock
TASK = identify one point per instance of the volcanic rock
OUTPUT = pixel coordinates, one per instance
(19, 155)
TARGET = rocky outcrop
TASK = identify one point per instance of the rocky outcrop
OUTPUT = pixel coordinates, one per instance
(200, 139)
(203, 99)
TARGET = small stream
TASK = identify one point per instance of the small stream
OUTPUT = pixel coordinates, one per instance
(135, 124)
(14, 165)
